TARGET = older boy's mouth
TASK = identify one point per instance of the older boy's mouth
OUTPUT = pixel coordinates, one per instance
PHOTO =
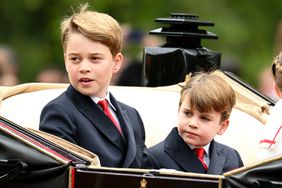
(85, 80)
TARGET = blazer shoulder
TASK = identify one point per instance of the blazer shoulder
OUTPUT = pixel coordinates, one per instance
(62, 99)
(157, 148)
(231, 153)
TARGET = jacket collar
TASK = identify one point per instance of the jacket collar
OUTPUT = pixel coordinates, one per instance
(187, 160)
(95, 115)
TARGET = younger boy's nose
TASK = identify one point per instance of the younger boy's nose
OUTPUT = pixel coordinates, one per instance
(192, 123)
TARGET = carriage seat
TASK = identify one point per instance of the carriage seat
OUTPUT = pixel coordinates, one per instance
(22, 104)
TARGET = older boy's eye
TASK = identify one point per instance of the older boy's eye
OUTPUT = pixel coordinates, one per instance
(74, 59)
(95, 58)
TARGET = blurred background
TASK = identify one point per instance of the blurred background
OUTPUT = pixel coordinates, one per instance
(250, 33)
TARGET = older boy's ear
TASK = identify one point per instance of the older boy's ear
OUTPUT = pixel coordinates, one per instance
(118, 59)
(223, 126)
(65, 60)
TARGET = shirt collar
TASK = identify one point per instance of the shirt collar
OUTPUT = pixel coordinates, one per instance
(206, 148)
(97, 99)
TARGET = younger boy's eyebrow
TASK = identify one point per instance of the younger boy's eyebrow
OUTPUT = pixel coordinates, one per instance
(186, 109)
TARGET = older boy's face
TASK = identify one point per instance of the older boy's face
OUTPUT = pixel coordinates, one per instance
(90, 65)
(198, 129)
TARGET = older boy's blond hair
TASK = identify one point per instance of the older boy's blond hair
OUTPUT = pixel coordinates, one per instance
(96, 26)
(207, 92)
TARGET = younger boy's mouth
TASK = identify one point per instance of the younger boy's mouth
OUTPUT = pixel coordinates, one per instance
(191, 133)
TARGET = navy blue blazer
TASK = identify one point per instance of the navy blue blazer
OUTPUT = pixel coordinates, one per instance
(174, 153)
(76, 118)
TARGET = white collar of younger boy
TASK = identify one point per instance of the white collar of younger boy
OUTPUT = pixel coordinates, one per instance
(206, 148)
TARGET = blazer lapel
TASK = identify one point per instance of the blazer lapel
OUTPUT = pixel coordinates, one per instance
(96, 116)
(131, 144)
(125, 123)
(217, 159)
(182, 154)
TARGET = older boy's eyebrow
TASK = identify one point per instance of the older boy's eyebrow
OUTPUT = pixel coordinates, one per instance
(70, 54)
(96, 53)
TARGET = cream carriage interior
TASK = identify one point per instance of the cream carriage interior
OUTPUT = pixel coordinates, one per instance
(23, 103)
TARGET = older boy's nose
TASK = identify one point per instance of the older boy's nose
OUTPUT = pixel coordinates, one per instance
(84, 66)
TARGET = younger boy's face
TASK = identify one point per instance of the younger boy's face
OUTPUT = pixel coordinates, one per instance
(199, 129)
(90, 65)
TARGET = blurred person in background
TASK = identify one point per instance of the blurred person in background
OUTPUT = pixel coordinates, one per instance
(266, 79)
(231, 64)
(52, 74)
(132, 69)
(8, 67)
(265, 85)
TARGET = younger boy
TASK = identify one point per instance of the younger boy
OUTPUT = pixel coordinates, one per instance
(87, 114)
(204, 109)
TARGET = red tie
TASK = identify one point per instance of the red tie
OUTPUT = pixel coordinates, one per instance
(200, 152)
(105, 106)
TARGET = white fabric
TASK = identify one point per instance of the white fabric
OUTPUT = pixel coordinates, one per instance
(24, 109)
(272, 132)
(243, 135)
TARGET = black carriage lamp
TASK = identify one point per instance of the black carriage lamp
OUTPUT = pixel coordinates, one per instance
(181, 54)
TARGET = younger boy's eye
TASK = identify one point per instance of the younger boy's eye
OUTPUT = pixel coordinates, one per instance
(205, 118)
(187, 112)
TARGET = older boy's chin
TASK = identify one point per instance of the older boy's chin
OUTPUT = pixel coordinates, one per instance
(88, 91)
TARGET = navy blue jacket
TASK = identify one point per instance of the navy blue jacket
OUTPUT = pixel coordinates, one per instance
(174, 153)
(76, 118)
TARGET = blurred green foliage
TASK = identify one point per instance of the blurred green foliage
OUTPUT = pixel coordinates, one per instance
(246, 29)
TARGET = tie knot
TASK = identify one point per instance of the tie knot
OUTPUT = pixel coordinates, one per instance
(104, 104)
(199, 152)
(105, 107)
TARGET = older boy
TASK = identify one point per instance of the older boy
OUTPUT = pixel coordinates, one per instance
(87, 114)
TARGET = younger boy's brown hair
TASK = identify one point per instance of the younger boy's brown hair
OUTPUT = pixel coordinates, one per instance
(207, 92)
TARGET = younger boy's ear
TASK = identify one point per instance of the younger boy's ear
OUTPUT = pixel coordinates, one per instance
(118, 60)
(223, 127)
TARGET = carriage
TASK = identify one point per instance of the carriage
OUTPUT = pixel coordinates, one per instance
(31, 158)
